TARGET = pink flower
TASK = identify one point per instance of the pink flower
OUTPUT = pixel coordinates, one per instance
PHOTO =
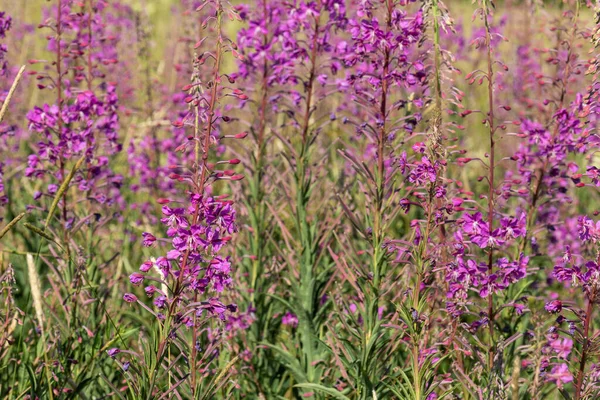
(560, 375)
(290, 319)
(562, 347)
(129, 297)
(113, 352)
(149, 239)
(554, 306)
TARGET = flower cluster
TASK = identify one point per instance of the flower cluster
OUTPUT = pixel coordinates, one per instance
(417, 215)
(5, 24)
(261, 43)
(194, 260)
(194, 270)
(84, 120)
(573, 267)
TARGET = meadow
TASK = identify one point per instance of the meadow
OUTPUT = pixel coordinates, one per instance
(300, 199)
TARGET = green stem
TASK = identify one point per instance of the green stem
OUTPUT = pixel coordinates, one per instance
(303, 182)
(586, 347)
(492, 166)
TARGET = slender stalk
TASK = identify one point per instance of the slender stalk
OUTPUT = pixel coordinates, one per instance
(201, 183)
(258, 234)
(201, 151)
(372, 292)
(437, 55)
(90, 78)
(194, 330)
(416, 374)
(307, 281)
(213, 102)
(492, 166)
(381, 137)
(59, 64)
(586, 346)
(436, 137)
(201, 162)
(60, 121)
(377, 237)
(532, 208)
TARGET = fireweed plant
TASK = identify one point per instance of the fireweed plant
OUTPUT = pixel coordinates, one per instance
(265, 62)
(5, 25)
(385, 68)
(77, 135)
(418, 217)
(304, 76)
(485, 237)
(183, 345)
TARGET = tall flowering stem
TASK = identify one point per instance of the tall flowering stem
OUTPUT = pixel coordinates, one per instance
(579, 267)
(307, 263)
(305, 37)
(202, 163)
(59, 101)
(586, 343)
(5, 25)
(492, 166)
(552, 157)
(193, 267)
(491, 226)
(84, 120)
(258, 65)
(384, 70)
(261, 68)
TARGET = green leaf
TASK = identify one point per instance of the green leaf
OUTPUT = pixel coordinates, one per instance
(330, 391)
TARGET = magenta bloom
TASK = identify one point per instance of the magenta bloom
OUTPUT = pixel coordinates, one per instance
(472, 224)
(562, 348)
(113, 352)
(146, 266)
(160, 302)
(554, 306)
(560, 375)
(5, 24)
(136, 278)
(150, 290)
(149, 239)
(290, 319)
(129, 297)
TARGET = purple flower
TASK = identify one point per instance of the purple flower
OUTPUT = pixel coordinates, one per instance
(290, 319)
(485, 239)
(136, 278)
(160, 301)
(513, 228)
(129, 297)
(562, 347)
(554, 306)
(586, 228)
(423, 172)
(216, 307)
(473, 224)
(174, 218)
(146, 266)
(5, 24)
(149, 239)
(113, 352)
(150, 290)
(560, 375)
